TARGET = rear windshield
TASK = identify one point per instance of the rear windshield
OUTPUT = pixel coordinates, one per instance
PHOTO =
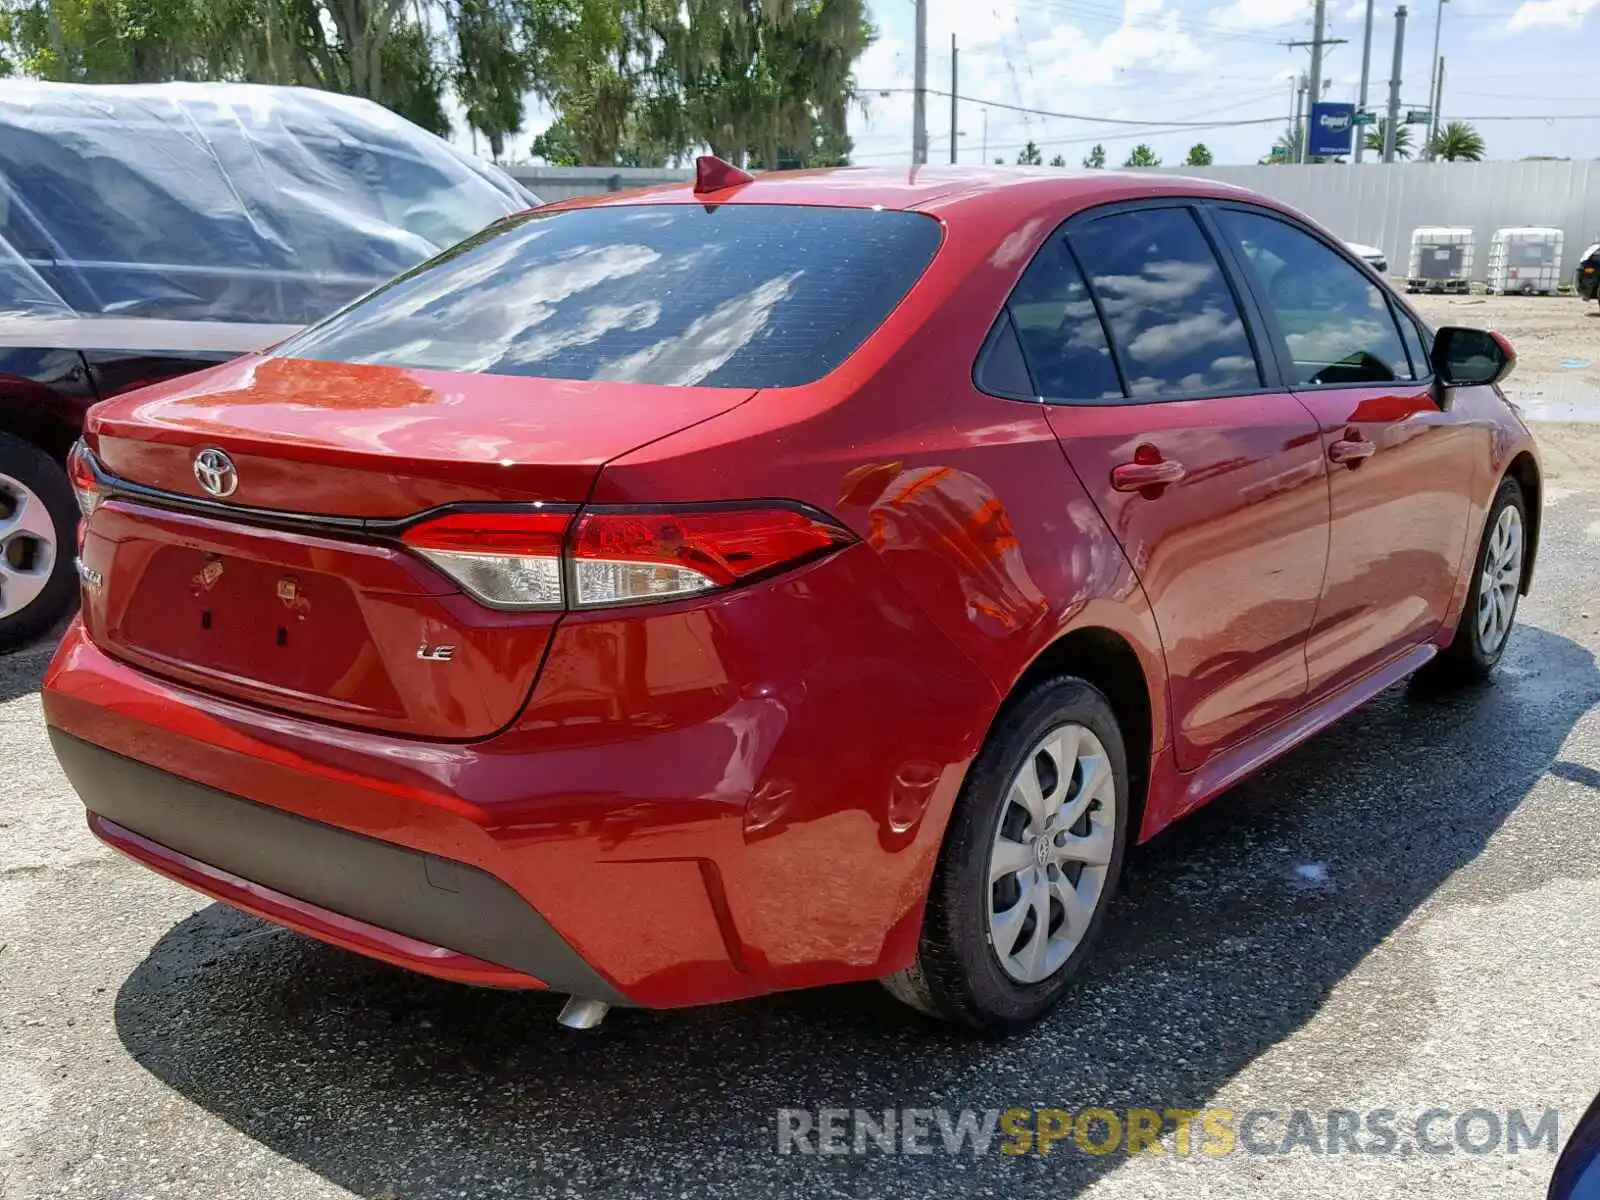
(741, 295)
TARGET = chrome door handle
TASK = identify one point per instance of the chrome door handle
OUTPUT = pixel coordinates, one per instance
(1351, 451)
(1135, 476)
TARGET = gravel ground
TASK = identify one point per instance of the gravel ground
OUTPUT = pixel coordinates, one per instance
(1557, 339)
(1398, 916)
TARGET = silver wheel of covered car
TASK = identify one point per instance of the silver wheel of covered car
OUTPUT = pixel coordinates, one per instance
(1499, 579)
(38, 524)
(28, 546)
(1051, 853)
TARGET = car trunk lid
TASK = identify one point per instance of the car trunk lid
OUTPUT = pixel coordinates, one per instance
(295, 592)
(355, 440)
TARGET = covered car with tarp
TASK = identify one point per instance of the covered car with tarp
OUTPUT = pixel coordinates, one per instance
(151, 230)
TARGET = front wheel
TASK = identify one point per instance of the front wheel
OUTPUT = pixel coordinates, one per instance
(1484, 627)
(1029, 865)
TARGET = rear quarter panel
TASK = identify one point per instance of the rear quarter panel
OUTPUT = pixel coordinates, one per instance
(967, 498)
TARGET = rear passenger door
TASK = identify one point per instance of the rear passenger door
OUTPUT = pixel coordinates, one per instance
(1400, 469)
(1210, 475)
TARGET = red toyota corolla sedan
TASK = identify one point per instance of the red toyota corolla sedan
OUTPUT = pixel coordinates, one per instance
(676, 597)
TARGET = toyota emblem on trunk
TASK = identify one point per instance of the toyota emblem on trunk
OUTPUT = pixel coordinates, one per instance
(215, 472)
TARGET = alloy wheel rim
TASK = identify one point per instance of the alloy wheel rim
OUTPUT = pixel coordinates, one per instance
(27, 546)
(1502, 574)
(1051, 853)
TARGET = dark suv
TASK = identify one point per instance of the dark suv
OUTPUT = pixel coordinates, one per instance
(150, 231)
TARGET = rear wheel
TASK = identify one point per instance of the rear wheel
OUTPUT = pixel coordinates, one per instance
(38, 529)
(1029, 865)
(1484, 627)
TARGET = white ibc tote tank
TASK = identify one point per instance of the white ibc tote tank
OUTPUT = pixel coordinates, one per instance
(1441, 259)
(1526, 259)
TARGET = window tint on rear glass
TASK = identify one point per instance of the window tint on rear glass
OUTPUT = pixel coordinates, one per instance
(1061, 334)
(1333, 315)
(742, 295)
(1173, 317)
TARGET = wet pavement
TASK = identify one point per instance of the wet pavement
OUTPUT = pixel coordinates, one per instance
(1568, 395)
(1398, 916)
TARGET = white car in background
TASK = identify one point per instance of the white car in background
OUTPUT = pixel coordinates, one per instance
(1374, 257)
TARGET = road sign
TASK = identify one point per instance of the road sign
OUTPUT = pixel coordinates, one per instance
(1331, 126)
(1363, 117)
(1417, 116)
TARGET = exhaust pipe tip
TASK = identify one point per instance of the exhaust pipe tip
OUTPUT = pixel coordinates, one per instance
(579, 1012)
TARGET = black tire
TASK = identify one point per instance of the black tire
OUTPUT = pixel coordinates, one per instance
(1466, 659)
(38, 473)
(956, 976)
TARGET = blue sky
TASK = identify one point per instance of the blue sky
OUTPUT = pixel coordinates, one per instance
(1200, 60)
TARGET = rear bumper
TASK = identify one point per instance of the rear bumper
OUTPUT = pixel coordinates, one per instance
(414, 910)
(692, 806)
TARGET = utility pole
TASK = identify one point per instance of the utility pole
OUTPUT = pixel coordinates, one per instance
(1299, 119)
(1319, 17)
(1438, 99)
(1317, 43)
(954, 92)
(1366, 68)
(1433, 69)
(1393, 123)
(919, 99)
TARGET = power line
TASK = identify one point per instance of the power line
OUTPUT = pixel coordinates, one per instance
(1535, 117)
(1046, 147)
(1065, 116)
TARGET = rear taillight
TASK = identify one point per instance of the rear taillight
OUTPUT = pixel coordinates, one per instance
(524, 559)
(624, 557)
(505, 559)
(85, 486)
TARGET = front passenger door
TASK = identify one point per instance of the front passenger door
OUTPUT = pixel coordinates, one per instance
(1401, 471)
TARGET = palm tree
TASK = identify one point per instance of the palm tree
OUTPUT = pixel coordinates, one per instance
(1458, 141)
(1402, 138)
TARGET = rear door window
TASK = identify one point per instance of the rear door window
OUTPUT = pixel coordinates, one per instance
(742, 295)
(1173, 316)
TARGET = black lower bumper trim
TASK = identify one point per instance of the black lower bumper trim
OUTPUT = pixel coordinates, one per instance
(436, 900)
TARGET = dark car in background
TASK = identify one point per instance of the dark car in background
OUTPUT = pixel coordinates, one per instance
(1587, 276)
(1577, 1173)
(154, 230)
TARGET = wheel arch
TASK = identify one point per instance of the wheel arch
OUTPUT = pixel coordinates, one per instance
(1524, 468)
(1105, 659)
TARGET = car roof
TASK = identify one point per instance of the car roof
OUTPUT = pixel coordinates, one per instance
(943, 188)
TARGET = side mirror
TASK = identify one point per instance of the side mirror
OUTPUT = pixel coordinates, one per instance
(1465, 357)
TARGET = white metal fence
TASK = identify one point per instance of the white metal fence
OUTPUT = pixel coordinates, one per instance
(563, 183)
(1373, 204)
(1380, 205)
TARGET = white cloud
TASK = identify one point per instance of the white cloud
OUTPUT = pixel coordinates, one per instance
(1197, 60)
(1255, 14)
(1568, 14)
